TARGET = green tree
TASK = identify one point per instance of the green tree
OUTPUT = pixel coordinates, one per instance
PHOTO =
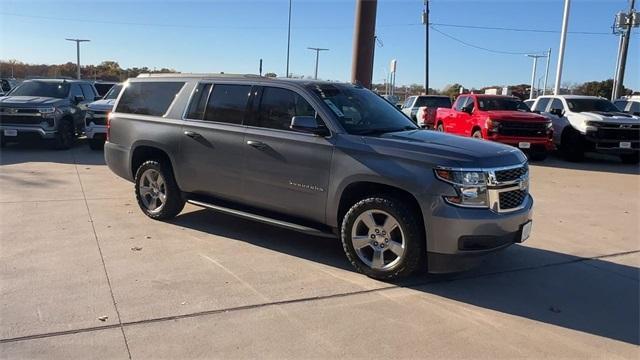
(599, 88)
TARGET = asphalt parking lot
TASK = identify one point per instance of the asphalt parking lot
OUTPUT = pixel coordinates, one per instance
(84, 274)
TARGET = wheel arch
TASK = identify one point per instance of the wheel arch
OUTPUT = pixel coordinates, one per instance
(144, 152)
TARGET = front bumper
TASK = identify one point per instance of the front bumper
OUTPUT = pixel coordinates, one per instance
(612, 145)
(459, 238)
(536, 143)
(118, 160)
(92, 130)
(28, 131)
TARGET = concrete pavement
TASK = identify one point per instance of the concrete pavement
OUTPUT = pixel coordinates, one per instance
(75, 248)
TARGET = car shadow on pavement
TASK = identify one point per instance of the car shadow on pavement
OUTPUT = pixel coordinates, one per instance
(594, 296)
(40, 151)
(591, 162)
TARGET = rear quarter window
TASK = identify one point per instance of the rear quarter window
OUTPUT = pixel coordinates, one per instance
(148, 98)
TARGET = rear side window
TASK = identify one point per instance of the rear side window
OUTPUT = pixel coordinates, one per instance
(199, 102)
(278, 106)
(542, 104)
(148, 98)
(227, 103)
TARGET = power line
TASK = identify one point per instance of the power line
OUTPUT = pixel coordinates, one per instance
(519, 29)
(480, 47)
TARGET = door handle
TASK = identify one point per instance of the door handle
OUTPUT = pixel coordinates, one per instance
(192, 134)
(257, 144)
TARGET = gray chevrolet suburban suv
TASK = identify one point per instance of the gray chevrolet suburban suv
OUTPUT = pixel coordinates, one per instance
(321, 158)
(51, 109)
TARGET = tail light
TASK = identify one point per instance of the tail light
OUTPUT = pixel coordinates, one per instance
(108, 126)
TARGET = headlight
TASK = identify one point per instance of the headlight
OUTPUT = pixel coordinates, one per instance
(49, 110)
(492, 125)
(592, 126)
(470, 187)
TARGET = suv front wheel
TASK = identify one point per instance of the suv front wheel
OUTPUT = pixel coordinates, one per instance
(157, 193)
(383, 238)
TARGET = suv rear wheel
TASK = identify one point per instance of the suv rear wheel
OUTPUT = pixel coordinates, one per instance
(96, 144)
(440, 127)
(157, 193)
(572, 146)
(383, 238)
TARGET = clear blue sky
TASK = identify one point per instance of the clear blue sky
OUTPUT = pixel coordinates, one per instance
(230, 36)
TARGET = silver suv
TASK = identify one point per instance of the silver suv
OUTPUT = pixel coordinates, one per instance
(322, 158)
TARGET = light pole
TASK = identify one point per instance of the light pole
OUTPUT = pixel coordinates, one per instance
(533, 73)
(78, 41)
(563, 40)
(425, 21)
(624, 23)
(288, 39)
(317, 50)
(546, 75)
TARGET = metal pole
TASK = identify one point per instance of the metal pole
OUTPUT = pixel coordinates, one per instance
(288, 39)
(425, 20)
(614, 90)
(260, 67)
(364, 42)
(317, 50)
(78, 41)
(563, 39)
(546, 75)
(533, 74)
(625, 50)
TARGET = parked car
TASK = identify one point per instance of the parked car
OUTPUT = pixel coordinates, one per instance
(428, 106)
(504, 119)
(412, 105)
(588, 123)
(322, 158)
(6, 85)
(103, 87)
(629, 104)
(96, 118)
(52, 109)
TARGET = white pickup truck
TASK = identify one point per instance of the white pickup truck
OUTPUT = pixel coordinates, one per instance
(589, 123)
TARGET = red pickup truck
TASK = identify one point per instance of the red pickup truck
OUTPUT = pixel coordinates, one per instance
(504, 119)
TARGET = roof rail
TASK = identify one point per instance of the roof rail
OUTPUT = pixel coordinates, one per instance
(222, 74)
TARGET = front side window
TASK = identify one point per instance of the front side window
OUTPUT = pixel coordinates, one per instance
(76, 91)
(504, 104)
(88, 92)
(113, 92)
(227, 103)
(541, 105)
(621, 104)
(594, 105)
(408, 102)
(360, 111)
(148, 97)
(556, 104)
(199, 102)
(278, 106)
(5, 85)
(58, 90)
(460, 103)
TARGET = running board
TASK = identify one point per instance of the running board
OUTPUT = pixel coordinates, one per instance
(263, 219)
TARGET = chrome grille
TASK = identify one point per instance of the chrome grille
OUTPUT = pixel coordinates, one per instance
(530, 129)
(511, 174)
(512, 199)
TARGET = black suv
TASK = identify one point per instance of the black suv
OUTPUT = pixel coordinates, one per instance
(47, 109)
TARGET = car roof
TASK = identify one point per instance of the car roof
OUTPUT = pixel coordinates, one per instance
(234, 77)
(572, 96)
(60, 80)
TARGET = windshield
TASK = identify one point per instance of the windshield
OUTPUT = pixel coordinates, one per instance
(113, 93)
(504, 104)
(433, 102)
(599, 105)
(58, 90)
(360, 111)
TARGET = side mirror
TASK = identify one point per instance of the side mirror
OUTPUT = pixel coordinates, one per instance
(557, 112)
(308, 124)
(536, 111)
(78, 99)
(399, 106)
(467, 109)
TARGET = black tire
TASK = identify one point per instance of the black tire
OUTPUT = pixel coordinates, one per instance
(65, 137)
(572, 145)
(440, 127)
(174, 202)
(477, 134)
(414, 256)
(96, 144)
(630, 158)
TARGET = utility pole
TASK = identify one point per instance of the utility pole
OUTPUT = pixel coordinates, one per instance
(317, 50)
(260, 67)
(563, 39)
(533, 73)
(364, 42)
(78, 41)
(546, 75)
(624, 22)
(288, 39)
(425, 21)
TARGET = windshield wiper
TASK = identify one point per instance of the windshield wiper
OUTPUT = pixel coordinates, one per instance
(382, 130)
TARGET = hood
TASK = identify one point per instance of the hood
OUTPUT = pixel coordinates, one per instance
(449, 150)
(610, 117)
(515, 115)
(102, 105)
(29, 101)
